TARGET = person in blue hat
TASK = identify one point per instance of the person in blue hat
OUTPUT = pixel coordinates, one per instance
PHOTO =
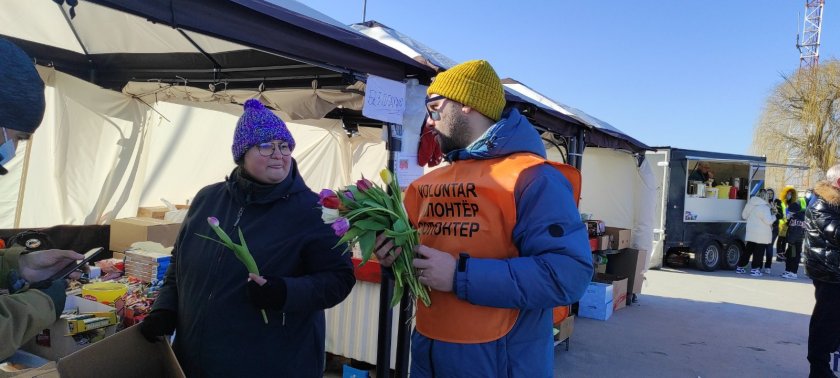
(208, 298)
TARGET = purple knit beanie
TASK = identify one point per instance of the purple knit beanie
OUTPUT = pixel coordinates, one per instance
(258, 125)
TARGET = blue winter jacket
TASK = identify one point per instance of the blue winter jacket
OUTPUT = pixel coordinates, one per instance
(554, 269)
(219, 332)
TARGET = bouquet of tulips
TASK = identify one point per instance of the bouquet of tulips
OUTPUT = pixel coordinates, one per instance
(240, 250)
(357, 213)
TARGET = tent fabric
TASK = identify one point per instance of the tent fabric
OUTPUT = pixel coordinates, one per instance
(604, 135)
(98, 155)
(646, 197)
(405, 44)
(314, 103)
(631, 206)
(85, 156)
(111, 42)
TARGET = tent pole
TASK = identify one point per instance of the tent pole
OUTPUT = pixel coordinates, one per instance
(580, 145)
(23, 176)
(404, 335)
(386, 290)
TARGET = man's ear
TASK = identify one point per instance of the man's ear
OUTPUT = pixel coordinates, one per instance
(466, 109)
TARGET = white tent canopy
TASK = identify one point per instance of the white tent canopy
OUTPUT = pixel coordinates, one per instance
(99, 154)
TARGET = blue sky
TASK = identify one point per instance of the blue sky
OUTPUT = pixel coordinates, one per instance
(684, 74)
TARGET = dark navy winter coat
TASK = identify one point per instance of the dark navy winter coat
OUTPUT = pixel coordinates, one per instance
(220, 333)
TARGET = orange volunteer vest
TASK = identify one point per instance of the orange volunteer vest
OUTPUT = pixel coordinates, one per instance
(469, 207)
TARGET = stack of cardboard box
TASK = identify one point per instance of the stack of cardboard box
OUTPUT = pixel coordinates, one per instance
(145, 265)
(127, 231)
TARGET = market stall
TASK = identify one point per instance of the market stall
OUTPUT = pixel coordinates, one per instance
(108, 146)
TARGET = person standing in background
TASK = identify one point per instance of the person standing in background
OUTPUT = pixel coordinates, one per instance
(822, 265)
(759, 219)
(795, 237)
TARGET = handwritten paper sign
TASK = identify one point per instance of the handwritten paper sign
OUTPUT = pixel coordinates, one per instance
(384, 100)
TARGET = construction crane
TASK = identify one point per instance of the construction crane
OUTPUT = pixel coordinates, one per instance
(809, 48)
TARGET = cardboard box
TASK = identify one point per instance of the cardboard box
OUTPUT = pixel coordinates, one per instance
(597, 293)
(126, 355)
(62, 337)
(597, 311)
(566, 328)
(597, 301)
(156, 212)
(629, 263)
(126, 231)
(619, 284)
(604, 242)
(620, 237)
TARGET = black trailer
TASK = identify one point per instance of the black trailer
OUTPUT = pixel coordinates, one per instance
(702, 219)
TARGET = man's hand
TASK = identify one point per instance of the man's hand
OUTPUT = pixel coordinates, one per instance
(386, 245)
(41, 265)
(436, 268)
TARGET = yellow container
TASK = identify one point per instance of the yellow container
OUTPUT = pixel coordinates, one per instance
(723, 191)
(104, 292)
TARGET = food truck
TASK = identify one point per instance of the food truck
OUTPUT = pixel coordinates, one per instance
(701, 221)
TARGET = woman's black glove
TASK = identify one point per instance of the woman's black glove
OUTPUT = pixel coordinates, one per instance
(158, 323)
(271, 295)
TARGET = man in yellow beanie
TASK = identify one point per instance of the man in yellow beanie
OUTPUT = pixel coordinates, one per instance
(501, 238)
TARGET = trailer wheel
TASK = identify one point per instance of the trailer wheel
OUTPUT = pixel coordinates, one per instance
(731, 255)
(707, 257)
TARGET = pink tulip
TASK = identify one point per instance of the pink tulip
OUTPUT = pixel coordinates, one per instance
(364, 184)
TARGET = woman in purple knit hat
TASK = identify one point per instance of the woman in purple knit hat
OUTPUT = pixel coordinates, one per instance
(208, 296)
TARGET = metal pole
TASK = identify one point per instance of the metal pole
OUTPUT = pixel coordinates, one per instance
(364, 11)
(386, 290)
(404, 335)
(581, 145)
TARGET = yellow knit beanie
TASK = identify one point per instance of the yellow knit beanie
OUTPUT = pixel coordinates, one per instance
(474, 84)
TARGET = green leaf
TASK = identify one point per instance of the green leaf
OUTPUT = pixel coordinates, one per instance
(372, 203)
(242, 240)
(369, 224)
(400, 226)
(398, 292)
(211, 239)
(351, 234)
(366, 244)
(222, 235)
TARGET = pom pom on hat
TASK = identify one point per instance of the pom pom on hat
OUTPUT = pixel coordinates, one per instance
(474, 84)
(22, 91)
(258, 125)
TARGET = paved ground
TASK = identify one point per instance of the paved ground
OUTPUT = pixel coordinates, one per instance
(689, 323)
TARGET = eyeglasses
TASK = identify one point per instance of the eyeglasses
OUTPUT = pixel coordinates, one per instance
(434, 114)
(267, 149)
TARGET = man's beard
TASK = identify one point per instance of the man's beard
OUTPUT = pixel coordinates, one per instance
(459, 134)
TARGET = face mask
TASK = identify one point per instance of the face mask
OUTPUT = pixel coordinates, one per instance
(7, 149)
(787, 197)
